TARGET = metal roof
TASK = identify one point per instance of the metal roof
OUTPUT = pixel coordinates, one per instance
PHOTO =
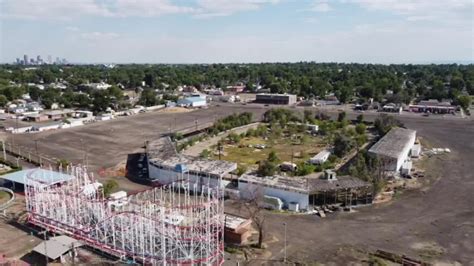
(44, 176)
(393, 143)
(305, 185)
(163, 152)
(56, 246)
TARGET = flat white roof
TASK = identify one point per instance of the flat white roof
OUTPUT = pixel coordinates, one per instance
(56, 246)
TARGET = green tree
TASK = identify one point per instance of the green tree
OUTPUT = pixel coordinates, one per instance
(3, 100)
(305, 169)
(360, 128)
(266, 168)
(342, 145)
(464, 101)
(273, 157)
(385, 122)
(148, 97)
(109, 187)
(241, 169)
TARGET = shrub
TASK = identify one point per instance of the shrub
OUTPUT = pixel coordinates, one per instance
(109, 187)
(360, 128)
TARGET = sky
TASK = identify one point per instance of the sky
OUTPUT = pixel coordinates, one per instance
(239, 31)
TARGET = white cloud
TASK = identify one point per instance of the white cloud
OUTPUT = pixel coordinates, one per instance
(216, 8)
(99, 36)
(69, 9)
(50, 9)
(146, 8)
(422, 9)
(320, 6)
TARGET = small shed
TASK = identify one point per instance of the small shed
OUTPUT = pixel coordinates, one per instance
(236, 229)
(321, 157)
(56, 247)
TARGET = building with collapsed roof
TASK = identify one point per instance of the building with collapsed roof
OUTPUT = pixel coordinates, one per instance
(394, 148)
(307, 192)
(166, 165)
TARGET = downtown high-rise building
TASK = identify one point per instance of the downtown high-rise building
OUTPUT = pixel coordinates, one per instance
(25, 59)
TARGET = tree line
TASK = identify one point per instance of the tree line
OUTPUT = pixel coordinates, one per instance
(306, 79)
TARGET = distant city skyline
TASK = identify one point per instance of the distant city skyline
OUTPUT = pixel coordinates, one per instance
(239, 31)
(26, 60)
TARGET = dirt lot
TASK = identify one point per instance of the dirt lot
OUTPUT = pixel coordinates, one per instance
(435, 223)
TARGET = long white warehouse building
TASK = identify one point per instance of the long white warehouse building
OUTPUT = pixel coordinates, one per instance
(394, 148)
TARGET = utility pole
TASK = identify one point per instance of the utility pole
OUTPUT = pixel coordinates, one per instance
(284, 259)
(219, 147)
(4, 152)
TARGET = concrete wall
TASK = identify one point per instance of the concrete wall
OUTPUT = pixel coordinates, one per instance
(405, 152)
(248, 190)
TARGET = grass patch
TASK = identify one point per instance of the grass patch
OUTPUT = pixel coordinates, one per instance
(232, 250)
(4, 195)
(245, 153)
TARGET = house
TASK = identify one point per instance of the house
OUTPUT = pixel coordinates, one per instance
(98, 86)
(394, 148)
(192, 102)
(321, 157)
(58, 114)
(34, 107)
(236, 88)
(35, 117)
